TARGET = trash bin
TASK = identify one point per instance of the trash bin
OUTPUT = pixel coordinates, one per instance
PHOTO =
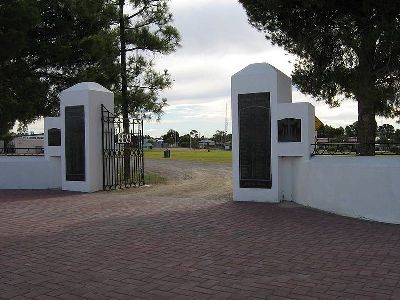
(167, 153)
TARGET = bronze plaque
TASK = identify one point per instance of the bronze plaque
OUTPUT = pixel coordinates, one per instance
(54, 137)
(75, 143)
(289, 130)
(255, 140)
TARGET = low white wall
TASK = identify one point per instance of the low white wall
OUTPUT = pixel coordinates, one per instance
(29, 173)
(361, 187)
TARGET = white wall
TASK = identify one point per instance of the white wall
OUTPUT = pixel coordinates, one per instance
(20, 172)
(361, 187)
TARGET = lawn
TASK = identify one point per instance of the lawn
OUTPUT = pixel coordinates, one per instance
(200, 155)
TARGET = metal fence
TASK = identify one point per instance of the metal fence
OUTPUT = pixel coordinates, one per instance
(12, 151)
(353, 148)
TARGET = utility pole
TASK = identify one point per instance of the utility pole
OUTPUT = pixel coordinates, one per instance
(226, 123)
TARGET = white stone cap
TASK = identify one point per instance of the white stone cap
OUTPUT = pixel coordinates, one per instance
(259, 69)
(87, 86)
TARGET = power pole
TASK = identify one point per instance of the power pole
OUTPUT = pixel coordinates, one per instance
(226, 122)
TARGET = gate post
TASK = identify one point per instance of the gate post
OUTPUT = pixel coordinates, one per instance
(270, 134)
(81, 136)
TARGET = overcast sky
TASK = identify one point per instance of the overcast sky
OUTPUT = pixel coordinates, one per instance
(217, 41)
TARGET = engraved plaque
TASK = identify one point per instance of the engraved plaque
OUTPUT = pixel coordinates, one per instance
(75, 143)
(289, 130)
(255, 141)
(54, 137)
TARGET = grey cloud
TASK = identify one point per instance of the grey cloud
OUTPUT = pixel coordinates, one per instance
(219, 29)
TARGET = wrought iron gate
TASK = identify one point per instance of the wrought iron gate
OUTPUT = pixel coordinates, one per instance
(123, 164)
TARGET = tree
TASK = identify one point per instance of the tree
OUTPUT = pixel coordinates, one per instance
(396, 136)
(219, 137)
(326, 131)
(184, 141)
(351, 130)
(344, 49)
(145, 30)
(47, 46)
(171, 137)
(385, 132)
(194, 138)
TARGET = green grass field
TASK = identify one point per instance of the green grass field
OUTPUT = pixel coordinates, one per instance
(200, 155)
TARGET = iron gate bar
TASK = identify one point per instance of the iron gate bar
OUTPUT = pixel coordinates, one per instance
(122, 152)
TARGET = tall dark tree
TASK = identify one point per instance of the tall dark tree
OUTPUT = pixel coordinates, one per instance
(351, 130)
(344, 49)
(48, 45)
(145, 30)
(171, 137)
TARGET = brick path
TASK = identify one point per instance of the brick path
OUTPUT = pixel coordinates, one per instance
(56, 245)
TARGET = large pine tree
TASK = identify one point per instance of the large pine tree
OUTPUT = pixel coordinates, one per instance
(345, 49)
(48, 45)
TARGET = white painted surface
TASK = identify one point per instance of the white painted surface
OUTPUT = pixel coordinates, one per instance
(306, 113)
(361, 187)
(91, 95)
(256, 78)
(20, 172)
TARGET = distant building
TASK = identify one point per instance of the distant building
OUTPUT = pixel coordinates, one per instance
(24, 144)
(206, 143)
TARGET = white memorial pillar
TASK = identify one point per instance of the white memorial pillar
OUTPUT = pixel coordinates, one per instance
(81, 136)
(269, 134)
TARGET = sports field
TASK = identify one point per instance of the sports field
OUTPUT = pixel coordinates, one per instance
(200, 155)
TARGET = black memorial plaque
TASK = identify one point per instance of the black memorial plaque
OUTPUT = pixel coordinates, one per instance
(54, 137)
(75, 143)
(255, 141)
(289, 130)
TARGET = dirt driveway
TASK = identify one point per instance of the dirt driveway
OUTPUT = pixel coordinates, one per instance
(193, 180)
(187, 240)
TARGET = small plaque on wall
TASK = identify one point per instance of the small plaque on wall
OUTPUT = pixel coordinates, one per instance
(54, 137)
(289, 130)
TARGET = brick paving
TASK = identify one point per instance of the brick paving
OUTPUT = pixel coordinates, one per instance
(58, 245)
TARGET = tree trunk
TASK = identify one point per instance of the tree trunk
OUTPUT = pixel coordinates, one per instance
(366, 128)
(124, 89)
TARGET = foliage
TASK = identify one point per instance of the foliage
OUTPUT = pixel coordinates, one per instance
(351, 130)
(220, 137)
(344, 49)
(154, 178)
(47, 46)
(385, 133)
(143, 31)
(326, 131)
(171, 137)
(184, 141)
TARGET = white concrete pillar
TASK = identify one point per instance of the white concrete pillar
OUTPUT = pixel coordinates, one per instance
(81, 136)
(256, 176)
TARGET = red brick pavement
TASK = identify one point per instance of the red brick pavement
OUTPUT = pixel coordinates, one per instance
(56, 245)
